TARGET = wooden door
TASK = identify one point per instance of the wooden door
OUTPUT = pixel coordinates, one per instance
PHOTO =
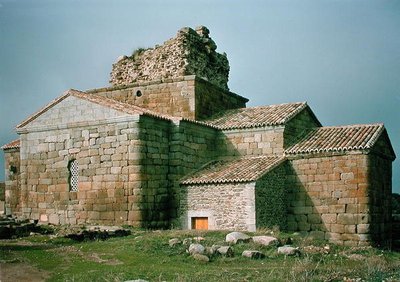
(200, 223)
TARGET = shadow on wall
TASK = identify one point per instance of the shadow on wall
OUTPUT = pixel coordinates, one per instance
(154, 163)
(271, 199)
(379, 201)
(303, 212)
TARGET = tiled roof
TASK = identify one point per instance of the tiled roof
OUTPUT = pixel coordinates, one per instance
(256, 116)
(12, 145)
(107, 102)
(246, 169)
(338, 138)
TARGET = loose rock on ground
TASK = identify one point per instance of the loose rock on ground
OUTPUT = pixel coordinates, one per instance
(253, 254)
(237, 237)
(265, 240)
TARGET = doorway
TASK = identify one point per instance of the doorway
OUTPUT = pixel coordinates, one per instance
(200, 223)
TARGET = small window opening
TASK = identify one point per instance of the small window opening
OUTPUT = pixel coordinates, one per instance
(13, 169)
(138, 93)
(73, 175)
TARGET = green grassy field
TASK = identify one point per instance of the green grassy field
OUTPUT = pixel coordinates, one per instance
(147, 255)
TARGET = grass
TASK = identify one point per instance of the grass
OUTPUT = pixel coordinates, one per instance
(147, 255)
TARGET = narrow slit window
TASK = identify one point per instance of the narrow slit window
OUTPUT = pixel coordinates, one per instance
(73, 175)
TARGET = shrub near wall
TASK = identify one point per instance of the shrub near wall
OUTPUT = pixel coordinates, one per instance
(271, 199)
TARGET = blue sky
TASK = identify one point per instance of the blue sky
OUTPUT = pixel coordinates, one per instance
(342, 57)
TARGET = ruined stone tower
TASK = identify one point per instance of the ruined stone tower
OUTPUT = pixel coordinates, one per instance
(184, 77)
(189, 53)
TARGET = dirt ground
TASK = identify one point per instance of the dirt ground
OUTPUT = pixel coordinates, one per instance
(18, 271)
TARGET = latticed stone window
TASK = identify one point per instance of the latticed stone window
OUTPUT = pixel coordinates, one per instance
(73, 175)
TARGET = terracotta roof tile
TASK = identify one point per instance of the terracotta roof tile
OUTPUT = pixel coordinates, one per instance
(256, 116)
(12, 145)
(338, 138)
(245, 169)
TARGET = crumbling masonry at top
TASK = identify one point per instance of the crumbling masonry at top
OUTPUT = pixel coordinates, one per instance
(191, 52)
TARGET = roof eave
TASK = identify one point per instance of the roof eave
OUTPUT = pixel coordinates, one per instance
(307, 108)
(44, 109)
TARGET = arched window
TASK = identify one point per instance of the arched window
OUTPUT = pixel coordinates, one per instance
(73, 175)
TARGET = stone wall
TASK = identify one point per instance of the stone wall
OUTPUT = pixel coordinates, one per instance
(12, 181)
(328, 197)
(380, 199)
(211, 100)
(186, 96)
(189, 53)
(227, 206)
(98, 138)
(192, 145)
(252, 142)
(103, 174)
(129, 166)
(2, 191)
(271, 198)
(173, 97)
(299, 126)
(152, 207)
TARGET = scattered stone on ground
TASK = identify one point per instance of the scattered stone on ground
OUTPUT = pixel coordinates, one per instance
(210, 251)
(174, 241)
(201, 257)
(316, 250)
(237, 237)
(226, 251)
(187, 241)
(196, 249)
(265, 240)
(288, 251)
(99, 233)
(253, 254)
(198, 239)
(215, 247)
(12, 227)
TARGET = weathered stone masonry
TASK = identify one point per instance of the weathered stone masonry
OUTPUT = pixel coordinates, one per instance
(168, 143)
(187, 96)
(12, 184)
(189, 53)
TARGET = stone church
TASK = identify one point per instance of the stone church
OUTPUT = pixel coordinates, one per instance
(168, 145)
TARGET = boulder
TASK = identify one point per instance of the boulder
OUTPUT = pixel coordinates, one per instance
(215, 247)
(187, 241)
(265, 240)
(198, 239)
(288, 251)
(174, 241)
(201, 257)
(196, 249)
(226, 251)
(237, 237)
(253, 254)
(210, 251)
